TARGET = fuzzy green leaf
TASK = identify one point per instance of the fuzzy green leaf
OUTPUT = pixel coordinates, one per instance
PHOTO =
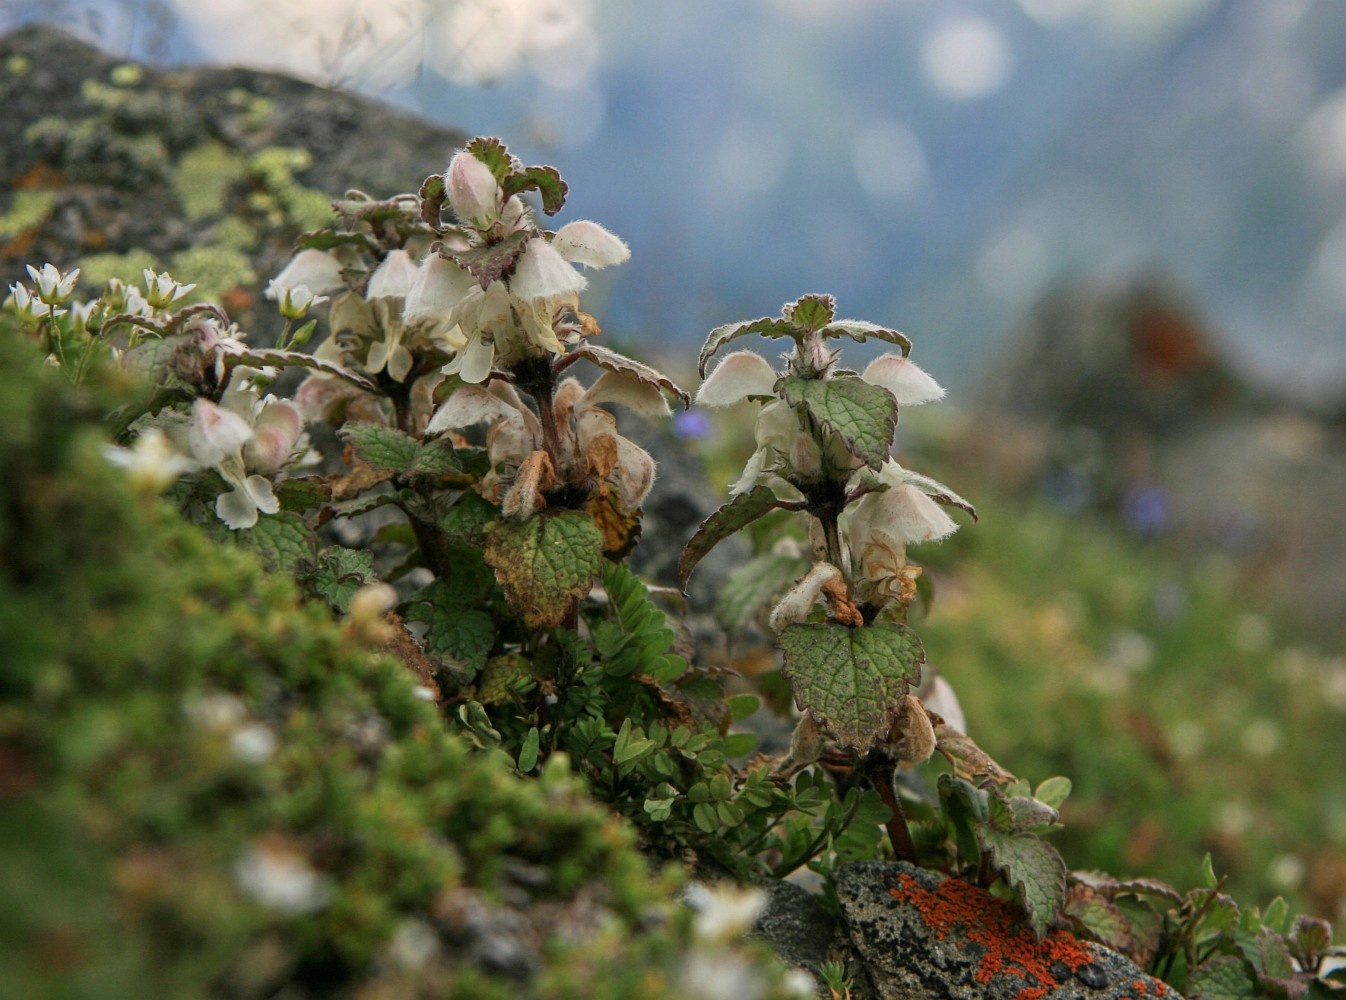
(864, 416)
(339, 572)
(282, 540)
(811, 312)
(460, 638)
(852, 679)
(328, 239)
(1224, 977)
(1100, 918)
(432, 195)
(302, 493)
(490, 262)
(752, 586)
(260, 358)
(465, 522)
(545, 563)
(1053, 792)
(766, 326)
(860, 331)
(440, 458)
(622, 365)
(1033, 869)
(492, 152)
(382, 447)
(546, 181)
(737, 514)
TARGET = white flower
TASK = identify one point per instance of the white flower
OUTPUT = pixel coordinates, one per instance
(796, 605)
(439, 286)
(279, 877)
(53, 287)
(473, 193)
(723, 912)
(152, 462)
(29, 306)
(588, 243)
(294, 302)
(162, 290)
(899, 516)
(313, 269)
(541, 273)
(909, 385)
(244, 434)
(393, 278)
(738, 376)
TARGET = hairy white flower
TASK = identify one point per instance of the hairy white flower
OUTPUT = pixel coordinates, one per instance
(796, 605)
(439, 286)
(723, 912)
(738, 376)
(588, 243)
(543, 274)
(53, 287)
(162, 290)
(294, 302)
(313, 269)
(393, 278)
(473, 192)
(909, 385)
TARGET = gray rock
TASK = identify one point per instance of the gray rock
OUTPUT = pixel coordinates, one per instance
(922, 936)
(797, 925)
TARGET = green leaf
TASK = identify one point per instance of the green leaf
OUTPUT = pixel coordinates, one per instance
(432, 195)
(860, 331)
(282, 540)
(1101, 918)
(753, 586)
(492, 152)
(703, 815)
(864, 416)
(546, 181)
(330, 239)
(740, 744)
(622, 365)
(465, 522)
(1208, 878)
(489, 262)
(366, 502)
(811, 312)
(852, 679)
(1224, 977)
(742, 705)
(529, 751)
(382, 447)
(440, 458)
(766, 326)
(458, 633)
(1277, 915)
(302, 493)
(259, 358)
(1053, 792)
(339, 572)
(545, 563)
(1033, 869)
(737, 514)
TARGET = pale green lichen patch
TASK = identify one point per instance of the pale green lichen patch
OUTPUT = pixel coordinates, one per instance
(214, 269)
(203, 176)
(28, 211)
(97, 269)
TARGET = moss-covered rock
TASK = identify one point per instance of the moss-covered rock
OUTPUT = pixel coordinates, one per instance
(209, 788)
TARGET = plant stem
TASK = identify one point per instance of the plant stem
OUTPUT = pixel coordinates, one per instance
(904, 848)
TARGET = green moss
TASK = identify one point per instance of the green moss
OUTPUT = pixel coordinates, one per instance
(126, 75)
(215, 270)
(276, 167)
(29, 210)
(202, 179)
(157, 856)
(233, 233)
(97, 269)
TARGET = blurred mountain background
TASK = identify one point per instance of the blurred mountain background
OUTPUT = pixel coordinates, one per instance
(936, 165)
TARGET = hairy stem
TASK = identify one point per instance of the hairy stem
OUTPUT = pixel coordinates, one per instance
(904, 847)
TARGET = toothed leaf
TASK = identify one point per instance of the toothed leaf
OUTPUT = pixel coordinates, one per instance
(622, 365)
(766, 326)
(1033, 869)
(545, 562)
(864, 416)
(733, 516)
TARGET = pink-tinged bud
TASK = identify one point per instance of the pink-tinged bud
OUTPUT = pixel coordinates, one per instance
(738, 376)
(590, 244)
(543, 274)
(909, 385)
(216, 434)
(473, 192)
(274, 436)
(394, 278)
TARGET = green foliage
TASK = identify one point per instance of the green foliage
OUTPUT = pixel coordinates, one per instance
(733, 517)
(545, 563)
(863, 416)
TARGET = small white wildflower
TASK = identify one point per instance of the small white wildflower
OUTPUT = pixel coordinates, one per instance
(294, 303)
(253, 743)
(281, 879)
(423, 693)
(313, 269)
(542, 274)
(29, 306)
(152, 462)
(588, 243)
(800, 983)
(53, 287)
(162, 289)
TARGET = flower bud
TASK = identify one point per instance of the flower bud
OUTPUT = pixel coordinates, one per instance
(316, 270)
(473, 192)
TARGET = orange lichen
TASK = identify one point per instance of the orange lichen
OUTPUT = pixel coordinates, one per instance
(998, 927)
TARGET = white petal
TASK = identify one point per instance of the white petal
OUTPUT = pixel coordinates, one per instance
(542, 273)
(636, 396)
(393, 278)
(439, 286)
(275, 433)
(316, 269)
(236, 509)
(634, 472)
(216, 433)
(377, 359)
(909, 385)
(911, 516)
(469, 405)
(751, 473)
(399, 364)
(589, 243)
(476, 359)
(738, 376)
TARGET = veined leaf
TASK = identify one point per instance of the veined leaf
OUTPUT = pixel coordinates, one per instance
(1033, 869)
(490, 262)
(432, 195)
(382, 447)
(811, 312)
(937, 491)
(282, 540)
(622, 365)
(545, 562)
(492, 152)
(259, 358)
(860, 331)
(1224, 977)
(733, 516)
(852, 679)
(546, 181)
(766, 326)
(864, 416)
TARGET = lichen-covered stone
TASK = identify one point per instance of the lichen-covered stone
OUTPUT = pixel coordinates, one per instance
(923, 936)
